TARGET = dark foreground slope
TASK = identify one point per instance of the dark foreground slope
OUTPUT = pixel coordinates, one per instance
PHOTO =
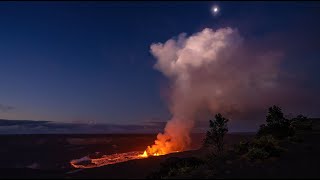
(48, 156)
(300, 161)
(143, 167)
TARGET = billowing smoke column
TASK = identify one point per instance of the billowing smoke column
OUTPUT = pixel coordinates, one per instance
(211, 70)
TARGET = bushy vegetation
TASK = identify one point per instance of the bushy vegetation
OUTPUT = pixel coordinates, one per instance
(296, 139)
(260, 148)
(242, 147)
(268, 144)
(301, 123)
(257, 153)
(174, 166)
(265, 142)
(215, 136)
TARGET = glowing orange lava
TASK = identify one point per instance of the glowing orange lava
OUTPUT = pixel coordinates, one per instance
(144, 154)
(154, 150)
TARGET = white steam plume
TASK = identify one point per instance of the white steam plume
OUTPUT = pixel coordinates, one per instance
(215, 71)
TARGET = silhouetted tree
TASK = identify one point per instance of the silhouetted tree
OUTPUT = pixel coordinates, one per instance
(275, 117)
(215, 136)
(277, 125)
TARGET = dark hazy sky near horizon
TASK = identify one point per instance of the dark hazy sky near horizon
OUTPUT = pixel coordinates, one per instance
(79, 62)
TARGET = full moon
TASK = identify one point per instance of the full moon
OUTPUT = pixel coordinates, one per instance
(215, 10)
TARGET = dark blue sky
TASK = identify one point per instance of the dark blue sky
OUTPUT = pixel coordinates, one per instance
(83, 61)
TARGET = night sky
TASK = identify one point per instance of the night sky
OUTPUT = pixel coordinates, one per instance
(90, 62)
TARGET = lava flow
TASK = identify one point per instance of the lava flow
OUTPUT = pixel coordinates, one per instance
(87, 162)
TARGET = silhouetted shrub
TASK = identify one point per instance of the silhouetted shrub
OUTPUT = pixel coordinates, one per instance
(181, 162)
(264, 147)
(266, 142)
(301, 123)
(176, 167)
(257, 153)
(296, 138)
(269, 144)
(179, 171)
(276, 131)
(215, 136)
(242, 147)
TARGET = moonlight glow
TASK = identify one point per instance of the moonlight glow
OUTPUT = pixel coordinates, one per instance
(215, 10)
